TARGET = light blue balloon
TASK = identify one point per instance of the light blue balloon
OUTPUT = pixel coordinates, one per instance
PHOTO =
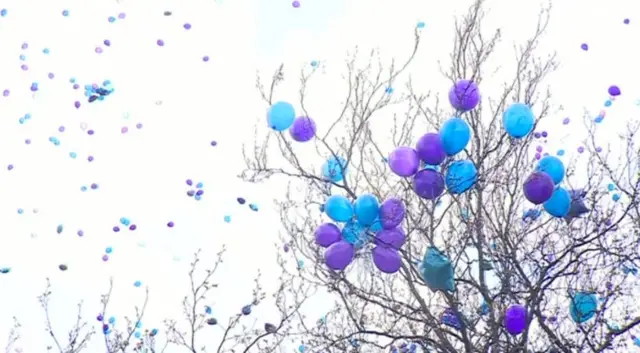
(281, 116)
(366, 209)
(583, 307)
(455, 134)
(338, 208)
(461, 176)
(334, 169)
(559, 203)
(376, 226)
(355, 234)
(518, 120)
(553, 166)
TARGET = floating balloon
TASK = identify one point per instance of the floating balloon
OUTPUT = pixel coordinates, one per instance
(280, 116)
(461, 176)
(386, 259)
(366, 209)
(327, 234)
(428, 184)
(455, 134)
(578, 207)
(464, 95)
(559, 203)
(334, 169)
(437, 270)
(339, 255)
(515, 319)
(614, 91)
(338, 208)
(583, 307)
(404, 161)
(518, 120)
(355, 234)
(303, 129)
(538, 188)
(393, 238)
(391, 213)
(553, 166)
(430, 149)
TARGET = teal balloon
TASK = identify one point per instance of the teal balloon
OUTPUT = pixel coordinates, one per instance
(583, 307)
(437, 270)
(461, 176)
(338, 208)
(518, 120)
(559, 203)
(355, 234)
(553, 166)
(366, 209)
(334, 169)
(281, 116)
(455, 134)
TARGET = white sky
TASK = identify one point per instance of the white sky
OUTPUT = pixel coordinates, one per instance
(142, 173)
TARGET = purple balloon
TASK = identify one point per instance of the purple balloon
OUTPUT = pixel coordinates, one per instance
(404, 161)
(614, 91)
(391, 213)
(327, 234)
(393, 238)
(430, 149)
(303, 129)
(515, 319)
(386, 259)
(538, 188)
(464, 95)
(339, 255)
(428, 184)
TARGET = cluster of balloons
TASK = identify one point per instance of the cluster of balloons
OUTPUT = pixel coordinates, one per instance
(365, 220)
(282, 116)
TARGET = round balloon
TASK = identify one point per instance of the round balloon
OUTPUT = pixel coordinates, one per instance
(376, 226)
(515, 319)
(338, 208)
(518, 120)
(339, 255)
(404, 161)
(303, 129)
(280, 116)
(583, 307)
(455, 134)
(334, 169)
(355, 234)
(393, 238)
(391, 213)
(366, 209)
(386, 259)
(327, 234)
(553, 166)
(559, 203)
(464, 95)
(430, 149)
(538, 188)
(461, 176)
(428, 184)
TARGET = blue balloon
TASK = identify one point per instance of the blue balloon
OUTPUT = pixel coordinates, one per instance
(281, 116)
(455, 134)
(559, 203)
(366, 209)
(437, 270)
(338, 208)
(376, 226)
(355, 234)
(553, 166)
(334, 169)
(518, 120)
(583, 307)
(461, 176)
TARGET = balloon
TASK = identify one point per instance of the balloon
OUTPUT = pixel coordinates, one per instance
(538, 188)
(515, 319)
(354, 234)
(303, 129)
(437, 270)
(583, 307)
(391, 213)
(386, 259)
(614, 91)
(376, 226)
(461, 176)
(366, 209)
(428, 184)
(393, 238)
(334, 169)
(464, 95)
(450, 319)
(553, 166)
(455, 134)
(518, 120)
(280, 116)
(404, 161)
(430, 149)
(559, 203)
(338, 208)
(339, 255)
(578, 207)
(327, 234)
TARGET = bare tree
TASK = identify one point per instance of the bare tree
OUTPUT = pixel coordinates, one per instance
(14, 336)
(500, 257)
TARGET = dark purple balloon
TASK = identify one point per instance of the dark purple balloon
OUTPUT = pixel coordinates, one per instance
(404, 161)
(538, 188)
(515, 319)
(393, 238)
(327, 234)
(464, 95)
(339, 255)
(614, 91)
(428, 184)
(303, 129)
(386, 259)
(391, 213)
(430, 149)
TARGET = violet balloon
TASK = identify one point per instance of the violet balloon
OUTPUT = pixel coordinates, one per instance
(327, 234)
(386, 259)
(303, 129)
(428, 184)
(515, 319)
(339, 255)
(392, 238)
(538, 188)
(404, 161)
(464, 95)
(391, 213)
(430, 149)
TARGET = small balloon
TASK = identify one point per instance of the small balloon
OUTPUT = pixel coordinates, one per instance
(404, 161)
(583, 307)
(338, 208)
(430, 149)
(366, 209)
(455, 134)
(428, 184)
(386, 259)
(553, 166)
(464, 95)
(391, 213)
(281, 116)
(538, 188)
(461, 176)
(614, 91)
(334, 169)
(327, 234)
(518, 120)
(339, 255)
(515, 319)
(303, 129)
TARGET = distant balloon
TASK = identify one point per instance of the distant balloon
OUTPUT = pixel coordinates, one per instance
(334, 169)
(366, 209)
(461, 176)
(559, 203)
(553, 166)
(339, 255)
(428, 184)
(338, 208)
(583, 307)
(280, 116)
(430, 149)
(391, 213)
(464, 95)
(303, 129)
(386, 259)
(518, 120)
(327, 234)
(455, 134)
(584, 46)
(538, 188)
(296, 4)
(393, 238)
(404, 161)
(437, 270)
(515, 319)
(614, 91)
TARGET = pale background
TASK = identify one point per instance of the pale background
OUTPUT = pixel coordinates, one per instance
(142, 173)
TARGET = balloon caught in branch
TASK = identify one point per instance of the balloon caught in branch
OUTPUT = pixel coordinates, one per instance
(583, 307)
(455, 134)
(303, 129)
(404, 161)
(334, 169)
(464, 95)
(518, 120)
(515, 319)
(280, 116)
(538, 188)
(461, 176)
